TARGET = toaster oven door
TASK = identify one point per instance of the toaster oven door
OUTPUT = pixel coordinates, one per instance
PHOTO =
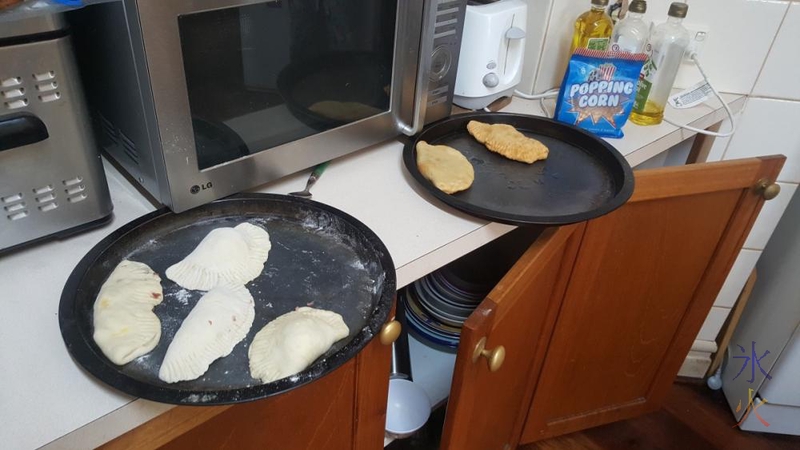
(248, 91)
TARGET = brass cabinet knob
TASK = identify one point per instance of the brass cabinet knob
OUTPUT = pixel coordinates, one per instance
(494, 357)
(390, 332)
(767, 189)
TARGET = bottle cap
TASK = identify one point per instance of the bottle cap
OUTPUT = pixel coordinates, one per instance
(600, 2)
(678, 9)
(638, 6)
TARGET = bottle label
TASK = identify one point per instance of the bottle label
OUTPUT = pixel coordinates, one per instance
(642, 92)
(626, 44)
(597, 44)
(646, 77)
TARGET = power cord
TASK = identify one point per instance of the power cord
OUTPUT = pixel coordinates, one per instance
(696, 61)
(547, 94)
(550, 93)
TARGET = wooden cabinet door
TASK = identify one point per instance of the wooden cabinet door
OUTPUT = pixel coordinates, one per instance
(345, 409)
(643, 282)
(486, 409)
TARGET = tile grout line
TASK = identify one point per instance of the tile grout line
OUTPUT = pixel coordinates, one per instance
(760, 71)
(771, 44)
(551, 5)
(768, 97)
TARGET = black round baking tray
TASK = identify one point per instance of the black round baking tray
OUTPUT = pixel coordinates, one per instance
(320, 257)
(584, 177)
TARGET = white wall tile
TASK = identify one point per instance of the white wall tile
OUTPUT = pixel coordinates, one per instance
(736, 47)
(555, 53)
(538, 18)
(740, 35)
(781, 72)
(737, 278)
(769, 127)
(769, 217)
(712, 325)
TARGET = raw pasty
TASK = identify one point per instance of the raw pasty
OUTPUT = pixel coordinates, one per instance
(290, 343)
(508, 141)
(445, 167)
(219, 321)
(225, 256)
(125, 326)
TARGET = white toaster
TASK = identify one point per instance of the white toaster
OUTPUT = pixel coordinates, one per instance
(492, 49)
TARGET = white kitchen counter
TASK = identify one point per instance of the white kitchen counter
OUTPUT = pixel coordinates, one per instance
(47, 400)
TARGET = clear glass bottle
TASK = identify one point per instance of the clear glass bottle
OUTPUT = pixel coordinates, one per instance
(593, 28)
(667, 44)
(631, 33)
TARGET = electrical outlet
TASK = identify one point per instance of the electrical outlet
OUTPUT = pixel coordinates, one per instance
(698, 35)
(688, 74)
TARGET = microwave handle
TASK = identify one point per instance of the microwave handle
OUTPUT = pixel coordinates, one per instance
(420, 94)
(423, 71)
(417, 114)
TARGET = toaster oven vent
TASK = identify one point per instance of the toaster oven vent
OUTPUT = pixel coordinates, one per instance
(76, 193)
(46, 198)
(48, 207)
(14, 207)
(72, 181)
(77, 198)
(11, 82)
(43, 189)
(51, 97)
(12, 198)
(75, 190)
(18, 215)
(44, 76)
(16, 104)
(13, 93)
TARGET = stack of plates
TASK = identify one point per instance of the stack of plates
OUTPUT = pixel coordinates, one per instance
(437, 305)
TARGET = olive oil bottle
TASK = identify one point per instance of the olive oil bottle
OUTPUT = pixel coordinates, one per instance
(668, 42)
(593, 28)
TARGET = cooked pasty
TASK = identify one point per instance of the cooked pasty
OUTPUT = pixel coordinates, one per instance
(508, 141)
(445, 167)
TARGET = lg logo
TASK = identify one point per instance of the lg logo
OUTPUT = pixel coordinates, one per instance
(202, 187)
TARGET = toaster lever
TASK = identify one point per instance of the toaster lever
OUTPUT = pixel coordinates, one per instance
(21, 129)
(515, 33)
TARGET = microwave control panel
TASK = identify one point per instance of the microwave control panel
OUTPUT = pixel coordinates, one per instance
(448, 25)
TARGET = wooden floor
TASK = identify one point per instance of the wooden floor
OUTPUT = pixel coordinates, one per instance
(693, 417)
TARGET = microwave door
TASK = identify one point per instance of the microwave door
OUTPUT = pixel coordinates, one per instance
(245, 92)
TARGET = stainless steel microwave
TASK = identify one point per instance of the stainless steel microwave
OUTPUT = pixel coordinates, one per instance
(200, 99)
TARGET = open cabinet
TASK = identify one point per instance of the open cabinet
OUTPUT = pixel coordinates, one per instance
(589, 326)
(595, 319)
